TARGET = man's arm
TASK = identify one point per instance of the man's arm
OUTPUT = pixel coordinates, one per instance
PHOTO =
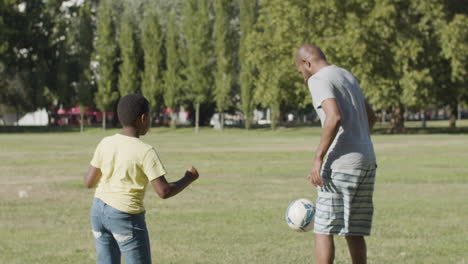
(370, 115)
(329, 131)
(165, 189)
(93, 176)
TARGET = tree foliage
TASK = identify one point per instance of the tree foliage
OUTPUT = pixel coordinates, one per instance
(152, 41)
(128, 78)
(224, 48)
(106, 56)
(172, 76)
(407, 55)
(248, 15)
(198, 49)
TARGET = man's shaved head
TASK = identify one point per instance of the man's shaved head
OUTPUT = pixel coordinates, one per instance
(311, 53)
(309, 60)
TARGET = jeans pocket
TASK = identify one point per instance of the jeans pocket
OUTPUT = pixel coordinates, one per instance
(120, 224)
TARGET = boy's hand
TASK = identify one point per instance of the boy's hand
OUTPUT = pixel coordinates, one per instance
(192, 173)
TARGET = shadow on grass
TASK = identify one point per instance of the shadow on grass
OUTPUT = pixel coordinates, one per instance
(38, 129)
(422, 131)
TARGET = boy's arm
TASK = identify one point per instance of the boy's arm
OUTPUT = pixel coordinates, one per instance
(93, 176)
(165, 189)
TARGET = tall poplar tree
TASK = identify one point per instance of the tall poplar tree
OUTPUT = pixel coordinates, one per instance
(152, 41)
(224, 49)
(106, 56)
(128, 78)
(84, 52)
(248, 13)
(197, 34)
(172, 78)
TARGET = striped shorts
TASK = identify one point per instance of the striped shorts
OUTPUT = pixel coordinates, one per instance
(344, 205)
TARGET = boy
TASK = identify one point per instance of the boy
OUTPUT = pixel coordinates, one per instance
(121, 167)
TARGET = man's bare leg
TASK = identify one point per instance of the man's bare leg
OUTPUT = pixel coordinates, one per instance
(357, 249)
(324, 249)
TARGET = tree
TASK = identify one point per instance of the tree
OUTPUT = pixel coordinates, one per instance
(128, 78)
(172, 78)
(224, 50)
(248, 15)
(454, 36)
(34, 63)
(79, 48)
(85, 50)
(273, 57)
(13, 26)
(387, 45)
(197, 34)
(106, 56)
(152, 42)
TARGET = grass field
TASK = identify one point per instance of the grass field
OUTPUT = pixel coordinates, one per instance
(235, 212)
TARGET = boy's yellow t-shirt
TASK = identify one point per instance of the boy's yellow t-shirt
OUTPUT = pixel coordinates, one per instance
(127, 165)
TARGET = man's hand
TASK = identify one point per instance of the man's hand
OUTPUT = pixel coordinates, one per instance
(192, 173)
(314, 176)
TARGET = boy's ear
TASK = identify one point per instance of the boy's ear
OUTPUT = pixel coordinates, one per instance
(143, 118)
(140, 120)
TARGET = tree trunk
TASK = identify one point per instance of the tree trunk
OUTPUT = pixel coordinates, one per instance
(104, 120)
(453, 115)
(81, 120)
(197, 117)
(422, 115)
(398, 120)
(274, 116)
(173, 119)
(248, 121)
(459, 111)
(221, 121)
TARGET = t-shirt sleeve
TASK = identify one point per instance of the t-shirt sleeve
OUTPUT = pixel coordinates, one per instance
(97, 157)
(152, 165)
(320, 91)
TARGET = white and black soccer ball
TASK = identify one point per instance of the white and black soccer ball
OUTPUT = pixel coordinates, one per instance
(300, 215)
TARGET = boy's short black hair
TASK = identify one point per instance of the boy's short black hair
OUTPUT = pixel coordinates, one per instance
(131, 107)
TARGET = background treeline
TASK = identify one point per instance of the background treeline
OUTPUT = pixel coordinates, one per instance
(230, 55)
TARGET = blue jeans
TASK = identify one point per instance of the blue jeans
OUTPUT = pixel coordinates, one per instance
(117, 233)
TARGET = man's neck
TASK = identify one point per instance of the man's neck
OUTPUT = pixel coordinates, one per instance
(320, 65)
(130, 132)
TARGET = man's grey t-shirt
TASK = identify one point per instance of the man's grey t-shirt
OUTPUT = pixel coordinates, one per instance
(352, 147)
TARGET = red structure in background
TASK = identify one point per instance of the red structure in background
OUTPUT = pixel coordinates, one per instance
(72, 116)
(64, 117)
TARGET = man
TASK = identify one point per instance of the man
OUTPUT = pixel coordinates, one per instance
(343, 169)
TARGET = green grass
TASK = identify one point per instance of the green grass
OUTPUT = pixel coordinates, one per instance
(235, 212)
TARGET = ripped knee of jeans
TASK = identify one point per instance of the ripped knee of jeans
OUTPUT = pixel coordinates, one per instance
(96, 234)
(120, 238)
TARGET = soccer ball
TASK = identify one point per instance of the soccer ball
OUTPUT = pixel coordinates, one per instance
(300, 215)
